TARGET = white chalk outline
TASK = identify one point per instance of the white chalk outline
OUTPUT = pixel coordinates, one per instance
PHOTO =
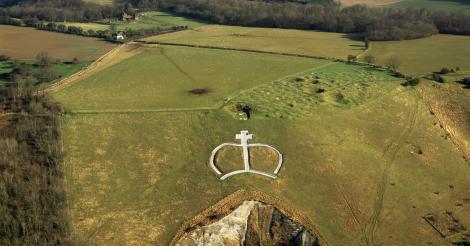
(244, 137)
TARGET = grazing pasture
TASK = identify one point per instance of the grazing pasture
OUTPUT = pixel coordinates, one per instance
(423, 56)
(365, 157)
(268, 39)
(154, 19)
(162, 77)
(25, 43)
(356, 172)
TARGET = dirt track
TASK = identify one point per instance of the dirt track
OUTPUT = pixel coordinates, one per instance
(114, 56)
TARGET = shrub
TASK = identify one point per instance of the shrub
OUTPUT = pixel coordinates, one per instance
(4, 58)
(438, 78)
(466, 81)
(411, 82)
(445, 70)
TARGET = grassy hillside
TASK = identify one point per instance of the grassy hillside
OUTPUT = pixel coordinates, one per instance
(129, 171)
(25, 43)
(423, 56)
(268, 39)
(162, 76)
(365, 157)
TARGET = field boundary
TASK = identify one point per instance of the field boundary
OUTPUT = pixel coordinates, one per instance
(130, 111)
(237, 49)
(232, 201)
(78, 75)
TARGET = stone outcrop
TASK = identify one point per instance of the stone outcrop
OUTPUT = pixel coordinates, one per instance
(252, 223)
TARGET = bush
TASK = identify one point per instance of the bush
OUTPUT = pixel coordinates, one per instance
(4, 58)
(466, 81)
(438, 78)
(445, 70)
(411, 82)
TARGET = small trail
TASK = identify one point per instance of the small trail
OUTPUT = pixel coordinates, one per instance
(390, 154)
(180, 69)
(132, 111)
(353, 213)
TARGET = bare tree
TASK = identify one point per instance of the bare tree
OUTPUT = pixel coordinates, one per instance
(369, 59)
(393, 63)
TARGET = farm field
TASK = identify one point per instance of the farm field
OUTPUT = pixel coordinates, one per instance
(324, 44)
(423, 56)
(162, 75)
(25, 43)
(153, 19)
(363, 158)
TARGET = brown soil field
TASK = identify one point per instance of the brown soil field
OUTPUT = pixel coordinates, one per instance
(369, 2)
(25, 43)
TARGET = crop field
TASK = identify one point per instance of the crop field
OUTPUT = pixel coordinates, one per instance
(363, 156)
(25, 43)
(423, 56)
(162, 75)
(324, 44)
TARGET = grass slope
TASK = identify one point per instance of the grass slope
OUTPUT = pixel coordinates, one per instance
(423, 56)
(25, 43)
(162, 76)
(268, 39)
(130, 176)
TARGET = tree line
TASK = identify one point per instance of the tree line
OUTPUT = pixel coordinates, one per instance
(323, 15)
(375, 23)
(32, 197)
(58, 10)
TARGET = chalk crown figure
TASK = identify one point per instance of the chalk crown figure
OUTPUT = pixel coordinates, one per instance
(244, 137)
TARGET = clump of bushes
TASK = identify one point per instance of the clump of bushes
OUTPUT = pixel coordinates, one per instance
(244, 109)
(438, 78)
(411, 81)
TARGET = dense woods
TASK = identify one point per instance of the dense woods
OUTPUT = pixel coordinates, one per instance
(324, 15)
(32, 198)
(57, 10)
(377, 24)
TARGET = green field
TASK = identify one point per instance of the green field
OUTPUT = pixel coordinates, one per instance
(459, 6)
(364, 166)
(151, 20)
(324, 44)
(25, 43)
(162, 75)
(423, 56)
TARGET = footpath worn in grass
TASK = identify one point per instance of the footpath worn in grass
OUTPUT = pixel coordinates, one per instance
(158, 78)
(325, 44)
(423, 56)
(25, 43)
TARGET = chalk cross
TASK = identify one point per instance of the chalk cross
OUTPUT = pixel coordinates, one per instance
(244, 137)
